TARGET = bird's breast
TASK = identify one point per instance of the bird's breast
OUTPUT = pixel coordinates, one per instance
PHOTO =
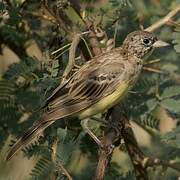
(106, 102)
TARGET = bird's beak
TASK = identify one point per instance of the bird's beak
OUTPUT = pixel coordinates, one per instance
(160, 43)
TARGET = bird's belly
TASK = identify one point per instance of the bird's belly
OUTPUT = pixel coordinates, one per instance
(107, 102)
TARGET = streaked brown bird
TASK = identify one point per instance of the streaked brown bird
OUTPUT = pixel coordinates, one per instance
(97, 86)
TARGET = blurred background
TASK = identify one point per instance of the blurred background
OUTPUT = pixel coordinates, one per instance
(35, 37)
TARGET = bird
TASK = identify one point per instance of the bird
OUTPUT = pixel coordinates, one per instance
(96, 86)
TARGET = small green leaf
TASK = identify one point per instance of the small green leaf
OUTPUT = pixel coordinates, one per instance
(169, 67)
(176, 35)
(171, 104)
(177, 48)
(171, 91)
(62, 133)
(172, 138)
(151, 104)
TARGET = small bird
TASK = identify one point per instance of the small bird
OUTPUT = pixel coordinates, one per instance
(97, 86)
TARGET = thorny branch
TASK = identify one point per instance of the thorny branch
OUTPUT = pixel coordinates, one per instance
(119, 128)
(164, 20)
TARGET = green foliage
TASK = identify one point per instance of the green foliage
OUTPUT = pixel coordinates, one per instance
(172, 138)
(43, 168)
(67, 144)
(176, 41)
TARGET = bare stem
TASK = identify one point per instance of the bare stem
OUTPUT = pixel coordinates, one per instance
(65, 171)
(72, 53)
(53, 156)
(153, 70)
(164, 20)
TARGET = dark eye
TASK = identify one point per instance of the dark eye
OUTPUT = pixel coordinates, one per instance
(146, 41)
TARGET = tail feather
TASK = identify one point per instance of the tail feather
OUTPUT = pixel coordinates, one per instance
(28, 136)
(47, 119)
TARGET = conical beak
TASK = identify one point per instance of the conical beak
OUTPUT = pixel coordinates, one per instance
(160, 43)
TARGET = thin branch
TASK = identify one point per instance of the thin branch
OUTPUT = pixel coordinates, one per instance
(72, 52)
(164, 20)
(53, 156)
(150, 162)
(152, 61)
(65, 171)
(134, 152)
(93, 40)
(153, 70)
(65, 46)
(84, 124)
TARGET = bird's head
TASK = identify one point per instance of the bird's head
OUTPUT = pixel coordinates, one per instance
(142, 43)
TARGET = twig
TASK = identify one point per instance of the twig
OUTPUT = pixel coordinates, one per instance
(65, 46)
(150, 162)
(84, 124)
(52, 13)
(93, 40)
(173, 23)
(53, 156)
(152, 61)
(164, 20)
(65, 171)
(72, 52)
(134, 152)
(153, 70)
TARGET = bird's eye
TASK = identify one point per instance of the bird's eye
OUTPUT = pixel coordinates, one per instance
(146, 41)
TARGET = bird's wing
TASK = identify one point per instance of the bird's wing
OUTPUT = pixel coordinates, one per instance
(90, 84)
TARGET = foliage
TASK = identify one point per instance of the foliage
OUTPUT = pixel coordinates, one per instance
(25, 85)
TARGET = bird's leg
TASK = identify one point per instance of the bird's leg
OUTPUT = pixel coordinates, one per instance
(84, 124)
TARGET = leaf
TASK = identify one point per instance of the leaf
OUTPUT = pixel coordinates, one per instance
(176, 41)
(173, 137)
(62, 133)
(171, 104)
(43, 168)
(171, 91)
(177, 48)
(66, 146)
(150, 121)
(170, 67)
(151, 104)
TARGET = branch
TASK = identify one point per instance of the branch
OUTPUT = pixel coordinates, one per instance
(164, 20)
(53, 156)
(150, 162)
(134, 152)
(139, 160)
(72, 53)
(94, 42)
(112, 134)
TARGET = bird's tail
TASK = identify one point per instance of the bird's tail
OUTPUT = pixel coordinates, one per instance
(28, 136)
(47, 119)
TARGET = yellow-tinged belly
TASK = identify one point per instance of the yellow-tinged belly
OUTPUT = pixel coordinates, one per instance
(106, 102)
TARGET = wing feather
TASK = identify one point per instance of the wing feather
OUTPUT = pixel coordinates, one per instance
(90, 83)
